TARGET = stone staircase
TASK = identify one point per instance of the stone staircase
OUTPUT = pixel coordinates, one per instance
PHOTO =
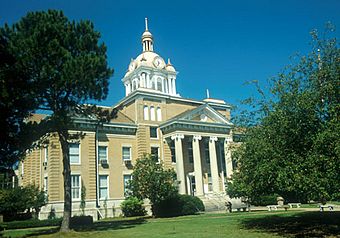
(215, 202)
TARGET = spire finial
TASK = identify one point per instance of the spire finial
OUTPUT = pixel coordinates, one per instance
(146, 24)
(208, 94)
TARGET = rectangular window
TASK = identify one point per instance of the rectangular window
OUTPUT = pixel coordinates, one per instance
(126, 152)
(74, 153)
(102, 153)
(190, 152)
(173, 151)
(127, 178)
(153, 132)
(155, 153)
(75, 186)
(103, 186)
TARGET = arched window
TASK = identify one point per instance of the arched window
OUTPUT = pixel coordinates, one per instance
(159, 114)
(146, 112)
(153, 84)
(159, 84)
(152, 113)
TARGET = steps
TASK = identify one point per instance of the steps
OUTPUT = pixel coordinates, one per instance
(215, 202)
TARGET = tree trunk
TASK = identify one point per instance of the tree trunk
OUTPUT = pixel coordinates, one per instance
(65, 225)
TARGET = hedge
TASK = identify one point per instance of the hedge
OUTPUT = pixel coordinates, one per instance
(179, 205)
(30, 224)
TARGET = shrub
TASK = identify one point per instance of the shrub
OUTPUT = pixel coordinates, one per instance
(265, 200)
(179, 205)
(30, 223)
(191, 205)
(132, 206)
(14, 201)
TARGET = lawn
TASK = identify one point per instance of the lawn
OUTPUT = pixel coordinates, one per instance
(293, 223)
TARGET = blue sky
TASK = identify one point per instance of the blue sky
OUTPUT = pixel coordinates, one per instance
(215, 45)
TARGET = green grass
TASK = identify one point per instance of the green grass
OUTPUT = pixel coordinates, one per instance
(242, 224)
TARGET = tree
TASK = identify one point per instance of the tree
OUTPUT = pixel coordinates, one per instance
(151, 181)
(294, 148)
(68, 65)
(17, 101)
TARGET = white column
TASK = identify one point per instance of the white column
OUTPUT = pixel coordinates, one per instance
(148, 81)
(170, 85)
(163, 89)
(126, 89)
(179, 162)
(141, 82)
(197, 165)
(213, 164)
(228, 159)
(174, 86)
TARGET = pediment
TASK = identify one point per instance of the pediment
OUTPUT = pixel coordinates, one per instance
(204, 113)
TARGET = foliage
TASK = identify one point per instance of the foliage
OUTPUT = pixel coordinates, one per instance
(83, 199)
(68, 65)
(152, 181)
(17, 101)
(132, 207)
(29, 224)
(179, 205)
(294, 148)
(17, 200)
(265, 200)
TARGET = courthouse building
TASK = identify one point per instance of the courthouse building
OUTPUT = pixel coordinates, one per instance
(192, 136)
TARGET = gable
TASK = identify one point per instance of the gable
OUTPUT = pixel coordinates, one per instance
(204, 113)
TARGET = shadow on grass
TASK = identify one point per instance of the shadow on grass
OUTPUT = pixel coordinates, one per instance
(96, 226)
(112, 225)
(305, 224)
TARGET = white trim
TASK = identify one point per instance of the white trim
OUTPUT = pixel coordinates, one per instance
(130, 157)
(80, 185)
(107, 153)
(79, 147)
(107, 186)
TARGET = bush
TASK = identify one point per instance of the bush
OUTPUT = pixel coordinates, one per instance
(81, 221)
(191, 205)
(265, 200)
(14, 201)
(179, 205)
(30, 224)
(132, 206)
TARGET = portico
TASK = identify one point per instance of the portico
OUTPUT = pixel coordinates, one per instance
(201, 151)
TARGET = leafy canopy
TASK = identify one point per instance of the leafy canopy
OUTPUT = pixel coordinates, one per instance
(152, 181)
(293, 147)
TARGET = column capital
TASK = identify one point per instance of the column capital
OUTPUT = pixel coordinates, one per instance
(177, 137)
(197, 137)
(213, 138)
(228, 139)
